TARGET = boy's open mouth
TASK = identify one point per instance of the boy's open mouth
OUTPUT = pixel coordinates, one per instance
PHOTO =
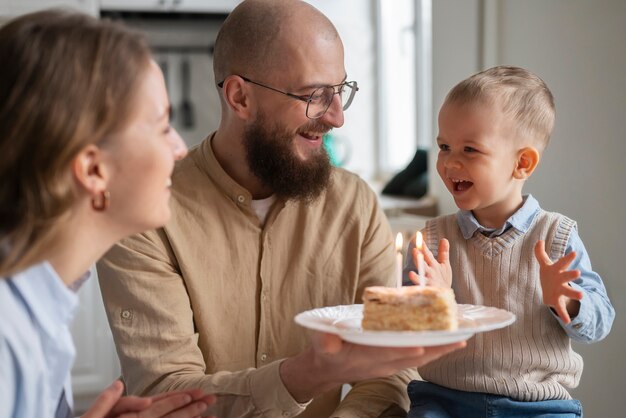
(461, 185)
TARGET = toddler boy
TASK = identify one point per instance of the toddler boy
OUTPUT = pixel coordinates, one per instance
(493, 128)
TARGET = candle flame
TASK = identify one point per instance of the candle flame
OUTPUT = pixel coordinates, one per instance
(418, 240)
(399, 242)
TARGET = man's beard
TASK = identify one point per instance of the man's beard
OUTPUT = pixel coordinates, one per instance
(272, 159)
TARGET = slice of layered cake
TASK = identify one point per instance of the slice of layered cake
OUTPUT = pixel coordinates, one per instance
(409, 308)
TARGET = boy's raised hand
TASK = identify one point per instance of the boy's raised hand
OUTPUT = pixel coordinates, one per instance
(438, 271)
(555, 278)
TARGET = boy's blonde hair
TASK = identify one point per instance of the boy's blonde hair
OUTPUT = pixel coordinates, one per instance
(521, 94)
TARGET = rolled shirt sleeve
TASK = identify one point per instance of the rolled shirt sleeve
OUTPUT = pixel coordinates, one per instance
(209, 300)
(596, 313)
(151, 317)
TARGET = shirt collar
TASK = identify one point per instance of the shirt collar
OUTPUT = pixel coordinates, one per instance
(50, 301)
(520, 220)
(206, 160)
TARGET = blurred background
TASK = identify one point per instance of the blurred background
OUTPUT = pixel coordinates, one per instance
(406, 55)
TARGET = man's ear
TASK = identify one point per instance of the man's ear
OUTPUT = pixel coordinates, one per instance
(89, 171)
(527, 160)
(237, 96)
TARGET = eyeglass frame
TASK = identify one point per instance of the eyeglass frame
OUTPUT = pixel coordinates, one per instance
(307, 99)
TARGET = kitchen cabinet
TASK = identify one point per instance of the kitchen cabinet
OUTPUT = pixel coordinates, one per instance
(189, 6)
(217, 6)
(136, 5)
(11, 8)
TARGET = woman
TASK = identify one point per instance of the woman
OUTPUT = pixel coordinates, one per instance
(86, 154)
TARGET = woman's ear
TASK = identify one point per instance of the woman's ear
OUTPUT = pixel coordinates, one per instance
(89, 170)
(527, 160)
(237, 96)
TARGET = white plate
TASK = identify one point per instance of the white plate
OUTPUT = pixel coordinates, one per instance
(345, 321)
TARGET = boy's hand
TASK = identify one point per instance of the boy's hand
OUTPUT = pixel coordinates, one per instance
(438, 271)
(555, 278)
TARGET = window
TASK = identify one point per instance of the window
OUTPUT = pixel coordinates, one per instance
(404, 81)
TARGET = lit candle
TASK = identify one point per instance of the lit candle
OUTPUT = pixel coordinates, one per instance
(399, 260)
(420, 258)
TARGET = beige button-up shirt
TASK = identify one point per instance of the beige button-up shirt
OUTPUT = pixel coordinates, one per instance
(209, 300)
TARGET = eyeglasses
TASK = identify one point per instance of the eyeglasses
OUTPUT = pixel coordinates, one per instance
(318, 102)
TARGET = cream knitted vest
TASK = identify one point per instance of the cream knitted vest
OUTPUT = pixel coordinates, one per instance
(530, 360)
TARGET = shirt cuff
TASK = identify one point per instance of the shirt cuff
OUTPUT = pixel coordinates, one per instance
(576, 328)
(269, 394)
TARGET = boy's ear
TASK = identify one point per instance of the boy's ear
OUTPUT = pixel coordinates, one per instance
(527, 160)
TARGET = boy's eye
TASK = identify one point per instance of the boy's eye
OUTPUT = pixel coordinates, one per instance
(444, 147)
(469, 149)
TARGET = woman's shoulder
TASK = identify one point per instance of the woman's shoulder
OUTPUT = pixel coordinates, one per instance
(18, 333)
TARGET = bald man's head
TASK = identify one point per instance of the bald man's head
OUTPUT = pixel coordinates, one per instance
(258, 35)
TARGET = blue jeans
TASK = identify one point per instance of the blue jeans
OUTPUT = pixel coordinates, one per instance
(432, 401)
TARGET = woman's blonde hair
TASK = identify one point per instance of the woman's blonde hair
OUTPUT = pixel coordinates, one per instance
(67, 80)
(520, 93)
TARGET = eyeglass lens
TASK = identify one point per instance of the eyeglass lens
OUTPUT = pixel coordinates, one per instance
(322, 97)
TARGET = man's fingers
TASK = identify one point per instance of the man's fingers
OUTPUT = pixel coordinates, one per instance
(194, 393)
(168, 405)
(105, 401)
(444, 251)
(401, 358)
(433, 353)
(325, 342)
(428, 354)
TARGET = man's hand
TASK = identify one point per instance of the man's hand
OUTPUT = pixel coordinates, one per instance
(111, 403)
(438, 271)
(555, 278)
(330, 362)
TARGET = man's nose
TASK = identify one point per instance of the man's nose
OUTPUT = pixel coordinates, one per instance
(334, 114)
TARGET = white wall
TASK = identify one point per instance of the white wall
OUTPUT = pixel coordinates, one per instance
(456, 54)
(355, 23)
(577, 47)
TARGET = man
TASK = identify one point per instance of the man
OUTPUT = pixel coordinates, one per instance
(263, 228)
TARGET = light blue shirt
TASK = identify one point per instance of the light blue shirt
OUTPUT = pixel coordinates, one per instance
(36, 348)
(596, 314)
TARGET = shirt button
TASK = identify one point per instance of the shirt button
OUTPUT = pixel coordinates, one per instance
(241, 198)
(263, 357)
(577, 326)
(126, 314)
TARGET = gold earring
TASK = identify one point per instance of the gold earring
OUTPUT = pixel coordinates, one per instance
(100, 203)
